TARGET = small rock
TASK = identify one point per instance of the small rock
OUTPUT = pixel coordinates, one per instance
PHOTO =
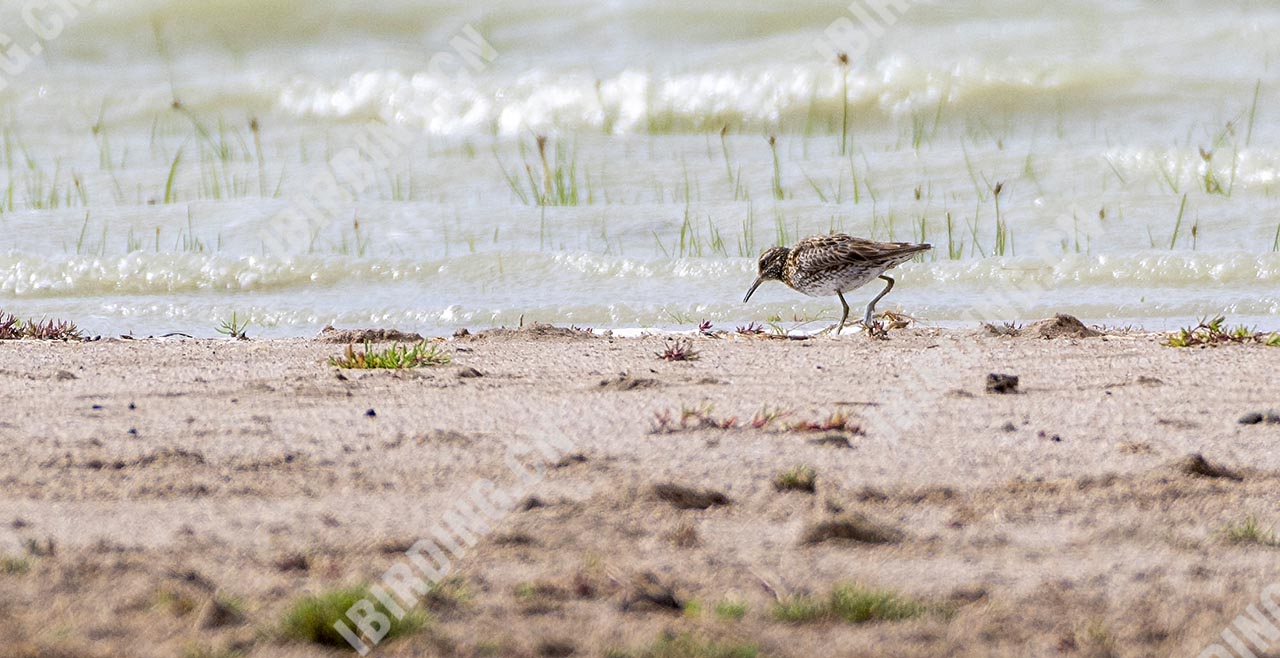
(1251, 418)
(371, 413)
(63, 375)
(1009, 427)
(469, 373)
(461, 333)
(1002, 384)
(531, 503)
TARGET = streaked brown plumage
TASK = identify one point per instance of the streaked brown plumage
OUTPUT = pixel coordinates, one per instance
(822, 265)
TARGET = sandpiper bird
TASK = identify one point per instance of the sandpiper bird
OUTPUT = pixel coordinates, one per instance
(822, 265)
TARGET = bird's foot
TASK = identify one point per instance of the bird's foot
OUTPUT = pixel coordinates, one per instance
(876, 329)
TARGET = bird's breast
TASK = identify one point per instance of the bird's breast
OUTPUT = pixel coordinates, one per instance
(827, 282)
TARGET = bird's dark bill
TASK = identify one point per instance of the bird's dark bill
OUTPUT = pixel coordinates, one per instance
(755, 285)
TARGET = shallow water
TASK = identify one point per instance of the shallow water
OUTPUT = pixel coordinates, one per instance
(1134, 144)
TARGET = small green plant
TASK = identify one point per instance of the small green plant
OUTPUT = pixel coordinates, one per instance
(11, 328)
(14, 566)
(688, 646)
(851, 604)
(680, 349)
(1215, 332)
(233, 327)
(311, 619)
(1250, 532)
(174, 601)
(799, 478)
(731, 610)
(394, 357)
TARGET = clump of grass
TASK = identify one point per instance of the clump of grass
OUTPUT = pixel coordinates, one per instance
(687, 646)
(174, 601)
(11, 328)
(836, 421)
(798, 478)
(778, 193)
(680, 349)
(1250, 532)
(234, 327)
(851, 604)
(553, 183)
(685, 535)
(730, 609)
(755, 328)
(311, 619)
(1215, 332)
(765, 417)
(394, 357)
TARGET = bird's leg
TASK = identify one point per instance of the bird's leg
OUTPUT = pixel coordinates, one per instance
(845, 315)
(837, 327)
(866, 321)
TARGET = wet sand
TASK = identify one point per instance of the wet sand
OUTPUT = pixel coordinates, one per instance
(141, 479)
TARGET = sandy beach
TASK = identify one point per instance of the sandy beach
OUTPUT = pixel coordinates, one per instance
(166, 497)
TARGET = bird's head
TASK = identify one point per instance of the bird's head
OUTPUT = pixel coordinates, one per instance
(771, 264)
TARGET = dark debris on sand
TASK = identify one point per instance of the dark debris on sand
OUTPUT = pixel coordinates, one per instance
(1002, 384)
(1196, 465)
(681, 497)
(852, 528)
(1271, 417)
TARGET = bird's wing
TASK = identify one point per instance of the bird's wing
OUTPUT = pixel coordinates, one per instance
(826, 251)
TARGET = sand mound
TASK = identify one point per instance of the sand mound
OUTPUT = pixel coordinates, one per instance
(1059, 326)
(331, 335)
(537, 330)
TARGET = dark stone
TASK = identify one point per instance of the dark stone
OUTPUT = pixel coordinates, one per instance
(1251, 418)
(1002, 384)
